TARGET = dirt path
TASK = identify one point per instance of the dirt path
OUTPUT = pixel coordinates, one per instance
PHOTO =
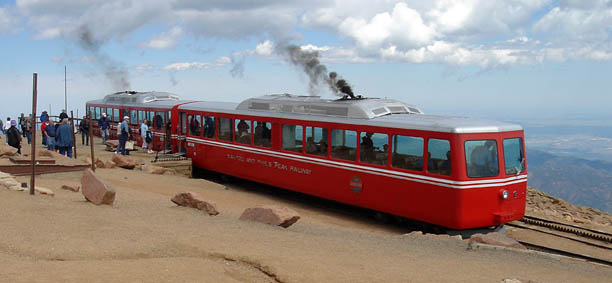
(146, 238)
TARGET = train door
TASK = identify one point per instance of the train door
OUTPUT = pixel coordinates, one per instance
(182, 132)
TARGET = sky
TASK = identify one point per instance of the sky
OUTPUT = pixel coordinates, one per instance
(509, 60)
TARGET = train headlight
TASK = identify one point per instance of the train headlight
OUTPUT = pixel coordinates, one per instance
(504, 194)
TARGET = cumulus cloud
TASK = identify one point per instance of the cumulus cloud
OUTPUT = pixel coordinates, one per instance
(166, 40)
(184, 66)
(8, 20)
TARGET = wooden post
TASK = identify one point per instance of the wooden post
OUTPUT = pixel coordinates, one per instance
(91, 142)
(33, 119)
(74, 143)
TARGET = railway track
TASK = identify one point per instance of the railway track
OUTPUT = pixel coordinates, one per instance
(593, 239)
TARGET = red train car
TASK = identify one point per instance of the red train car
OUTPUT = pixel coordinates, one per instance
(381, 154)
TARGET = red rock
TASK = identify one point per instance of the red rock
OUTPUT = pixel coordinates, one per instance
(110, 164)
(194, 200)
(112, 143)
(496, 239)
(96, 190)
(6, 150)
(271, 214)
(71, 188)
(124, 161)
(100, 163)
(152, 169)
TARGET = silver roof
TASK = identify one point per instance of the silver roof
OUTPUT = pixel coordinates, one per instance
(152, 99)
(448, 124)
(366, 108)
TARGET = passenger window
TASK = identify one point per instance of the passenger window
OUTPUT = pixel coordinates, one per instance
(159, 121)
(374, 148)
(209, 127)
(243, 131)
(262, 133)
(97, 112)
(141, 116)
(438, 157)
(92, 112)
(344, 144)
(109, 113)
(292, 138)
(225, 129)
(513, 156)
(133, 117)
(150, 117)
(408, 152)
(319, 137)
(481, 158)
(194, 125)
(116, 115)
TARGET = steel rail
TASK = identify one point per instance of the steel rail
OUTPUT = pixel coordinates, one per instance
(565, 253)
(590, 233)
(557, 235)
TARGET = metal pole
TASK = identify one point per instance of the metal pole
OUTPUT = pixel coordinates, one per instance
(91, 142)
(65, 91)
(33, 118)
(74, 143)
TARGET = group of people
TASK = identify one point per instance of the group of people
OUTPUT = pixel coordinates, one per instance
(57, 136)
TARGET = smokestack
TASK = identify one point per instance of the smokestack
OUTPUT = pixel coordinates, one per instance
(114, 71)
(309, 62)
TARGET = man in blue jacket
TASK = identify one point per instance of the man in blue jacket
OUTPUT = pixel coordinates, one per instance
(104, 125)
(124, 132)
(63, 138)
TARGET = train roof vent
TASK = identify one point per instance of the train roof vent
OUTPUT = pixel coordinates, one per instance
(363, 108)
(140, 97)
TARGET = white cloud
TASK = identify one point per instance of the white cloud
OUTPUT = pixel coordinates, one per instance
(184, 66)
(265, 48)
(8, 20)
(166, 40)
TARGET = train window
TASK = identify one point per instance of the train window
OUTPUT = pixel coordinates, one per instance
(292, 138)
(374, 148)
(344, 144)
(183, 123)
(141, 116)
(125, 113)
(159, 121)
(481, 158)
(513, 156)
(133, 117)
(194, 125)
(150, 117)
(116, 115)
(408, 152)
(209, 127)
(97, 112)
(262, 133)
(102, 110)
(438, 157)
(109, 113)
(243, 131)
(318, 136)
(92, 111)
(225, 129)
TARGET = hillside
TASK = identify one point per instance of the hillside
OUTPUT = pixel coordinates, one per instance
(578, 181)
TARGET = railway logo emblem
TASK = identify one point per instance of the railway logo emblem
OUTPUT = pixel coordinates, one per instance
(356, 184)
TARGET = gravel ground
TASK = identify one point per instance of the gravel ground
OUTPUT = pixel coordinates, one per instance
(144, 237)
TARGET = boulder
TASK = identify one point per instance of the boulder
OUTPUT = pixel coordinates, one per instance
(112, 143)
(44, 191)
(100, 163)
(152, 169)
(9, 182)
(124, 161)
(4, 175)
(95, 189)
(194, 200)
(496, 239)
(71, 188)
(271, 214)
(110, 164)
(6, 150)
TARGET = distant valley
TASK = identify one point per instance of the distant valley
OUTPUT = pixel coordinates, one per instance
(576, 180)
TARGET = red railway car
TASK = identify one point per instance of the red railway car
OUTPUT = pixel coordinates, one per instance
(380, 154)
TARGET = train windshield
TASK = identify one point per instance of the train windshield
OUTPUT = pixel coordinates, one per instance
(514, 159)
(481, 158)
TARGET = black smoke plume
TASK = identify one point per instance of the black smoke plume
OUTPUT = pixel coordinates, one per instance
(309, 62)
(114, 71)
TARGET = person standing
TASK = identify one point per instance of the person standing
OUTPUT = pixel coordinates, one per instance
(43, 125)
(63, 115)
(27, 129)
(104, 125)
(50, 132)
(63, 137)
(22, 125)
(44, 117)
(7, 126)
(124, 130)
(144, 128)
(84, 128)
(13, 136)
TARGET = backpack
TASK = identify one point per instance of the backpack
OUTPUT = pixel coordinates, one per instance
(148, 137)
